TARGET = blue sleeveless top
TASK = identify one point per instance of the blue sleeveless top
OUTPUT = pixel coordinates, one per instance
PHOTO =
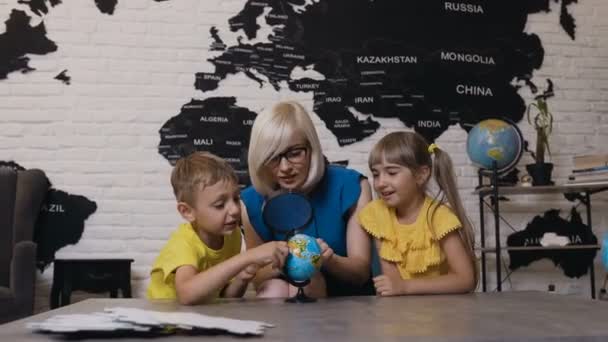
(337, 192)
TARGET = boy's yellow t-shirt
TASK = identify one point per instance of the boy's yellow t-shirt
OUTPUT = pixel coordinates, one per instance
(186, 248)
(414, 248)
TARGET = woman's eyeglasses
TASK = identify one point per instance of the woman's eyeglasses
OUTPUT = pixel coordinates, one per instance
(294, 155)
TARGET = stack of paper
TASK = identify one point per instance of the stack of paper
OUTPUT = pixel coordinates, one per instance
(143, 321)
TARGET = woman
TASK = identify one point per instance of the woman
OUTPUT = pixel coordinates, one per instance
(285, 155)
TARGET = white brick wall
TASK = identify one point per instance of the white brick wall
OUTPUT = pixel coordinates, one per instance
(133, 70)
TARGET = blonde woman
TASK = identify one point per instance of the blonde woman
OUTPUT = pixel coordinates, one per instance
(285, 155)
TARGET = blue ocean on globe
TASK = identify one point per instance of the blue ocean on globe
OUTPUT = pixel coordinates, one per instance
(605, 251)
(304, 258)
(495, 140)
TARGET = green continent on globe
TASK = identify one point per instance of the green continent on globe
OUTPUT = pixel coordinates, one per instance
(316, 260)
(297, 246)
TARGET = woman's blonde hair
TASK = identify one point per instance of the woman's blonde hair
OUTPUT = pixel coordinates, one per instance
(270, 135)
(411, 150)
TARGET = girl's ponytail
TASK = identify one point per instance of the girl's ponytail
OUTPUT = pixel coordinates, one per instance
(443, 172)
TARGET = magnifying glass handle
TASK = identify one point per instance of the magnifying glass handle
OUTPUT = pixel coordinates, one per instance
(290, 235)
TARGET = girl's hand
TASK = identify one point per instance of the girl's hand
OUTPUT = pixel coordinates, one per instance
(389, 286)
(326, 252)
(248, 273)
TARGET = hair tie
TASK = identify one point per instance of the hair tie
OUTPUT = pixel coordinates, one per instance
(432, 148)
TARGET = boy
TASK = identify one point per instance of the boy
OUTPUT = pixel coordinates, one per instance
(202, 259)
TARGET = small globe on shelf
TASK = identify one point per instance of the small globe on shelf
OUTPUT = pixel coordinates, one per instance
(495, 140)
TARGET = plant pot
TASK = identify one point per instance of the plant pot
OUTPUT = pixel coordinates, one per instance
(540, 173)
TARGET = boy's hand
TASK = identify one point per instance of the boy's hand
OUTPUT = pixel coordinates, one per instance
(273, 252)
(248, 273)
(326, 252)
(388, 286)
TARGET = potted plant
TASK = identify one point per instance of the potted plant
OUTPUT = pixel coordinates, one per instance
(541, 119)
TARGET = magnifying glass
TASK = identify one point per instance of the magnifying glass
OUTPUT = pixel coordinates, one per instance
(285, 215)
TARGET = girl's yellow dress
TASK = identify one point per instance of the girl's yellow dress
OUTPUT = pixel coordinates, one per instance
(414, 248)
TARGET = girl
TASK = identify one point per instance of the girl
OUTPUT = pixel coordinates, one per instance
(425, 246)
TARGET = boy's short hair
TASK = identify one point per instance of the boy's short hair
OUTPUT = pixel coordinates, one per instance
(196, 171)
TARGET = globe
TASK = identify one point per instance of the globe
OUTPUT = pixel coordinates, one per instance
(495, 140)
(605, 251)
(304, 257)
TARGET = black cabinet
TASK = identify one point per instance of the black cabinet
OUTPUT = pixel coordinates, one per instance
(91, 275)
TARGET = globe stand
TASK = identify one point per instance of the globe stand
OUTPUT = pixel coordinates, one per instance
(300, 297)
(495, 202)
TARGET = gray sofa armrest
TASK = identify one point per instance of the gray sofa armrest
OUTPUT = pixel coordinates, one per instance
(23, 274)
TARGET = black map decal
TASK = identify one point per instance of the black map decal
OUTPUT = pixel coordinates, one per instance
(20, 39)
(39, 7)
(430, 64)
(575, 263)
(63, 77)
(60, 222)
(106, 6)
(218, 43)
(566, 19)
(216, 125)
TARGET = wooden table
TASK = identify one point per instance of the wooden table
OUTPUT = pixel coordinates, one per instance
(506, 316)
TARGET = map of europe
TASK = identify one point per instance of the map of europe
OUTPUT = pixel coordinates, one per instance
(429, 63)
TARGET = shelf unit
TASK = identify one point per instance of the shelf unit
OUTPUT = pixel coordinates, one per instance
(571, 192)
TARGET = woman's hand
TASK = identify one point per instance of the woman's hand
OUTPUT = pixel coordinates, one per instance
(327, 252)
(354, 267)
(248, 273)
